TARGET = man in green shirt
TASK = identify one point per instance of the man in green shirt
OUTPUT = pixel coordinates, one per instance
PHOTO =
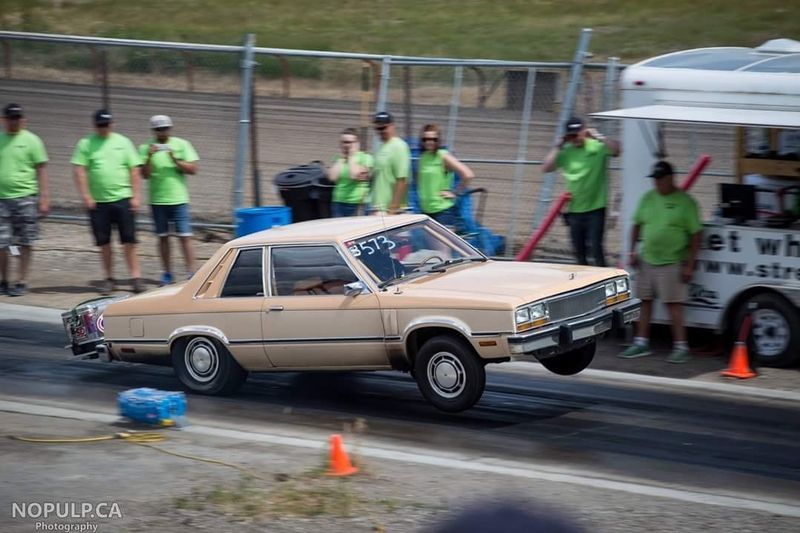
(392, 168)
(582, 157)
(667, 221)
(167, 161)
(107, 174)
(350, 172)
(24, 195)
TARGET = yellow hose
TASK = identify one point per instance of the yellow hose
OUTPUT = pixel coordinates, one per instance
(143, 439)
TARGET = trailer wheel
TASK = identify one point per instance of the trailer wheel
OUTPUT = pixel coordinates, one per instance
(775, 330)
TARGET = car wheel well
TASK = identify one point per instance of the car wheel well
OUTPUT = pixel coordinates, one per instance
(419, 337)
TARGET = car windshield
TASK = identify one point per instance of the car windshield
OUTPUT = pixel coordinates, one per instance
(414, 249)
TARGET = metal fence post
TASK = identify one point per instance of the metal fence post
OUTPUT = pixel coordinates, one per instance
(453, 119)
(566, 111)
(104, 78)
(244, 122)
(383, 93)
(609, 94)
(407, 100)
(522, 151)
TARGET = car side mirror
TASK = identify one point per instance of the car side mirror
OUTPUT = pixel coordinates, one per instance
(354, 289)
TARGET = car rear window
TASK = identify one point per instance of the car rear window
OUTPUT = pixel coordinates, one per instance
(246, 277)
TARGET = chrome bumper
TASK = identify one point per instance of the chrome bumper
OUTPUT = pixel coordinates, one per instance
(563, 337)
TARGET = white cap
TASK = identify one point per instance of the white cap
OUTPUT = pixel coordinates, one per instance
(160, 121)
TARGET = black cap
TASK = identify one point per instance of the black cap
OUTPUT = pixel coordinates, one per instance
(382, 117)
(103, 117)
(660, 170)
(574, 125)
(13, 111)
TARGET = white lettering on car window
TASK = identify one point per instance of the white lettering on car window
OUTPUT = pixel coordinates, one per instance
(371, 245)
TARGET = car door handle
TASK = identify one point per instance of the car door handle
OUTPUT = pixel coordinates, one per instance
(275, 308)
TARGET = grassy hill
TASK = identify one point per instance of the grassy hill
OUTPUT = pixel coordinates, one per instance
(539, 30)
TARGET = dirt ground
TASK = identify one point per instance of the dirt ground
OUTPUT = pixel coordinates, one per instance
(285, 489)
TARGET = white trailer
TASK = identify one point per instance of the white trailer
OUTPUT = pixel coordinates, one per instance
(754, 90)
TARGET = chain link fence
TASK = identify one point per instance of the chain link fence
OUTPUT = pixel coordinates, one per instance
(301, 100)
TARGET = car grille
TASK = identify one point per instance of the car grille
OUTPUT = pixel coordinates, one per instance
(577, 304)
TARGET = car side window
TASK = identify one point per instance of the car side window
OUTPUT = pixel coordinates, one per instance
(246, 277)
(309, 270)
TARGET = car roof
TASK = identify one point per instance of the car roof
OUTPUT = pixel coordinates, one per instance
(326, 229)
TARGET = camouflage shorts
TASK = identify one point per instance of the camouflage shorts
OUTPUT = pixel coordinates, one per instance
(18, 221)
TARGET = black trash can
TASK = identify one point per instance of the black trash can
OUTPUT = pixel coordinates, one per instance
(306, 190)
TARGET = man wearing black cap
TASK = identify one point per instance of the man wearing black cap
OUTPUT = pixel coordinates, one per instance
(392, 168)
(24, 195)
(667, 222)
(109, 180)
(581, 154)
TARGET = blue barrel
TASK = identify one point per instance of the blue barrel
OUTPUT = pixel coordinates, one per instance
(254, 219)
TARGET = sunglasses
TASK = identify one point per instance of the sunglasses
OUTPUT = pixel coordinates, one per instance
(381, 128)
(434, 139)
(160, 129)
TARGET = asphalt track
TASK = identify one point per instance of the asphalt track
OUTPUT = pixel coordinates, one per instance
(689, 440)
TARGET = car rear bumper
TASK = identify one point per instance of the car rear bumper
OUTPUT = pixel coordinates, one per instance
(572, 334)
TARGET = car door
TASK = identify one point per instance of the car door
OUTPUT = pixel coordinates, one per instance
(309, 322)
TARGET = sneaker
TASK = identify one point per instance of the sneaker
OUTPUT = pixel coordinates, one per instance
(679, 356)
(166, 278)
(4, 287)
(18, 290)
(138, 286)
(109, 286)
(636, 351)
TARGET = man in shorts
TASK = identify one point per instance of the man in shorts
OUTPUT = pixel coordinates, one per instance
(108, 178)
(392, 168)
(167, 162)
(667, 221)
(24, 195)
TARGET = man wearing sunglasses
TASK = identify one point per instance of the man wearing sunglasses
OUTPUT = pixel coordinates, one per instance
(392, 168)
(582, 156)
(167, 162)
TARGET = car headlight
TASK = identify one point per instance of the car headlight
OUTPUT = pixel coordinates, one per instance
(531, 316)
(611, 289)
(622, 285)
(617, 290)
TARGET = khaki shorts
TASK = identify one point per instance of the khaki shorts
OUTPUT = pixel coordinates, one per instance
(661, 282)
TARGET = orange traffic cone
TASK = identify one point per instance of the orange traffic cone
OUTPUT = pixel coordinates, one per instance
(339, 461)
(739, 366)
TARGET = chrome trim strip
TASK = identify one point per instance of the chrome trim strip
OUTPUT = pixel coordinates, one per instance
(203, 330)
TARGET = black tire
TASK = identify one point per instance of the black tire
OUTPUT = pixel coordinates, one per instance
(455, 360)
(223, 374)
(774, 338)
(572, 362)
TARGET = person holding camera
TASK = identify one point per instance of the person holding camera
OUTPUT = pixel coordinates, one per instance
(582, 155)
(351, 174)
(167, 162)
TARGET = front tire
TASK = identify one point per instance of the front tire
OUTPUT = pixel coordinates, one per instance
(774, 335)
(449, 374)
(572, 362)
(204, 365)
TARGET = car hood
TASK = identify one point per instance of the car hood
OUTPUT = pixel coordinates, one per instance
(510, 283)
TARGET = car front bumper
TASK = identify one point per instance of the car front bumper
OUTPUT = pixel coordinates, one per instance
(572, 334)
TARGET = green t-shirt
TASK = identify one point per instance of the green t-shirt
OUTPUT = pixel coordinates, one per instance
(20, 153)
(108, 162)
(166, 184)
(584, 170)
(350, 191)
(667, 224)
(393, 161)
(433, 179)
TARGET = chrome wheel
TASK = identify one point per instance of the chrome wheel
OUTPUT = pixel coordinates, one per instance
(771, 332)
(202, 359)
(446, 375)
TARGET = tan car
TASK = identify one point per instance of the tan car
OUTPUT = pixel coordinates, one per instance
(366, 293)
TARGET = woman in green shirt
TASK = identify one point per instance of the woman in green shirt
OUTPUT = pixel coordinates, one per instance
(435, 179)
(350, 172)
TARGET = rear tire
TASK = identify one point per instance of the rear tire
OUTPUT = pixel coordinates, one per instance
(204, 365)
(572, 362)
(449, 374)
(774, 336)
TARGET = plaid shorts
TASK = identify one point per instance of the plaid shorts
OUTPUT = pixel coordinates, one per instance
(19, 221)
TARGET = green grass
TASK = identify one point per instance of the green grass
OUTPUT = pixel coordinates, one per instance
(501, 29)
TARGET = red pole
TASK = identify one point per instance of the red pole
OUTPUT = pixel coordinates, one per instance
(699, 166)
(526, 252)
